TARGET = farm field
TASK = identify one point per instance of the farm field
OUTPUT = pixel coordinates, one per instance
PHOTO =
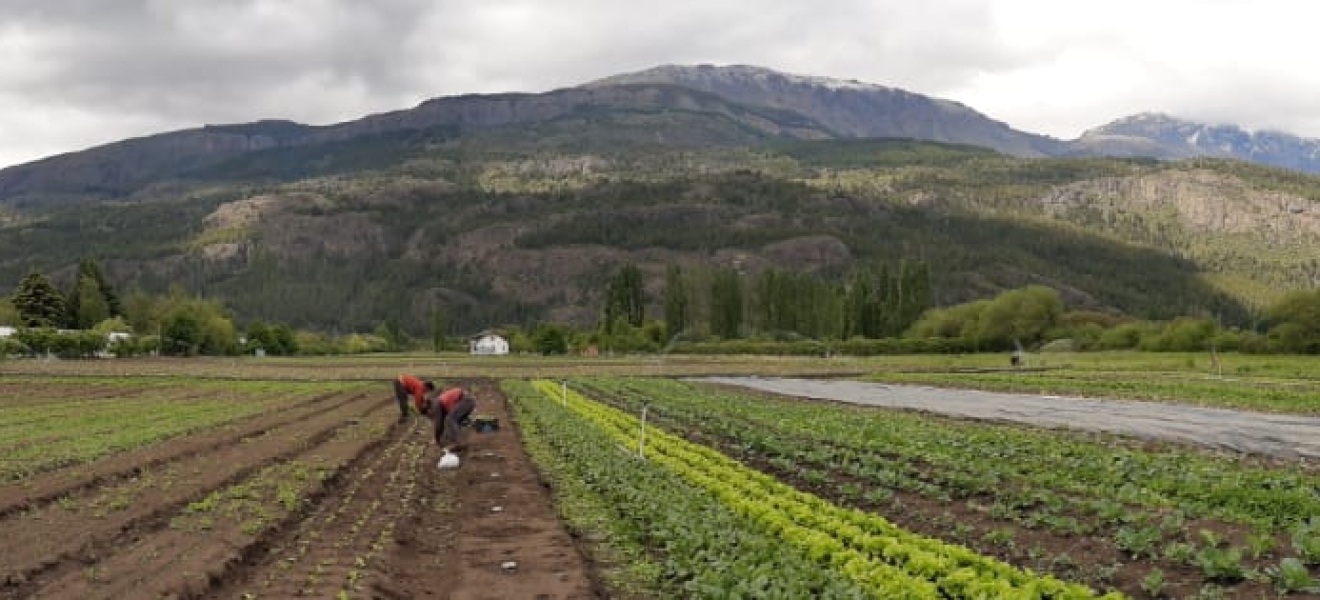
(1248, 432)
(307, 489)
(1267, 383)
(241, 478)
(1145, 519)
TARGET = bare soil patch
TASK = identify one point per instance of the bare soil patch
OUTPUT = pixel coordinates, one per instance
(487, 530)
(378, 521)
(76, 531)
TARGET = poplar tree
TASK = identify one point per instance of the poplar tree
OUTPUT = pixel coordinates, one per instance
(625, 298)
(677, 302)
(726, 304)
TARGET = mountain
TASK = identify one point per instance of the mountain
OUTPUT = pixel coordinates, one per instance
(513, 208)
(1165, 137)
(850, 109)
(679, 117)
(668, 106)
(497, 229)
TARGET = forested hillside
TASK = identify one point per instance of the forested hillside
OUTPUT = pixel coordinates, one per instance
(522, 225)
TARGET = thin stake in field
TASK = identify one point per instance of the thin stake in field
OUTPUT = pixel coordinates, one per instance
(641, 438)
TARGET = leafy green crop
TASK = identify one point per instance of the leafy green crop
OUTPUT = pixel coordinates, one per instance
(888, 561)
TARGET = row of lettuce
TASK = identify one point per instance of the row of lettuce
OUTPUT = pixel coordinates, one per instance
(1217, 520)
(716, 528)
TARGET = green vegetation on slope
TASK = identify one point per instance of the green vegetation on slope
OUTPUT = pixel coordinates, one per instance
(597, 189)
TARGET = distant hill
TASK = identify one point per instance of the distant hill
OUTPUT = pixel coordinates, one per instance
(1162, 136)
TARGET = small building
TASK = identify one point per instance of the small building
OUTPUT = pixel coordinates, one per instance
(488, 343)
(7, 331)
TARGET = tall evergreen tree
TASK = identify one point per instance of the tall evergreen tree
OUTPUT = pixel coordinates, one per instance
(38, 303)
(90, 305)
(90, 294)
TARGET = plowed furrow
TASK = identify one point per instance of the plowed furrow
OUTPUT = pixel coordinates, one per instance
(186, 561)
(344, 539)
(42, 489)
(73, 532)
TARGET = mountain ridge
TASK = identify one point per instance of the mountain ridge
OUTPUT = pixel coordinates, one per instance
(1164, 136)
(851, 108)
(773, 103)
(120, 168)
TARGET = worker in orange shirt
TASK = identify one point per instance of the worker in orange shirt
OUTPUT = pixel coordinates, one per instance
(449, 412)
(422, 390)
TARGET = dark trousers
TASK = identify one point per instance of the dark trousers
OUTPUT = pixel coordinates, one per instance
(401, 396)
(447, 421)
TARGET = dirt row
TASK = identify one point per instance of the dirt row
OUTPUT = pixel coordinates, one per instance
(488, 530)
(53, 538)
(41, 489)
(373, 516)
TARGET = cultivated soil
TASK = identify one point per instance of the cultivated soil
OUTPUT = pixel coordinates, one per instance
(328, 499)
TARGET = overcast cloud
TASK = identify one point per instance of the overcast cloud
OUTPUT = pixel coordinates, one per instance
(77, 73)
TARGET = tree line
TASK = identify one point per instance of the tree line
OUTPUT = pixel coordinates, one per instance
(90, 318)
(884, 308)
(723, 303)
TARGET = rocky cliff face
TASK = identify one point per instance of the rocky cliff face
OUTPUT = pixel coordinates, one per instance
(1255, 241)
(1201, 202)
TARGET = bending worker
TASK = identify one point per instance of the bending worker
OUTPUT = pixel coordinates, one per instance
(409, 385)
(448, 412)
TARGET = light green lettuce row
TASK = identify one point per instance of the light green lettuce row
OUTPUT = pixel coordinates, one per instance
(892, 562)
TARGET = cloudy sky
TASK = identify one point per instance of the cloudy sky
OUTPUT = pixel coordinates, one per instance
(77, 73)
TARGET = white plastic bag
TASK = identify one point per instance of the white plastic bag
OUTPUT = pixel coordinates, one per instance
(448, 461)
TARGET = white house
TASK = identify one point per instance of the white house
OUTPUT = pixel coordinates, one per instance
(6, 331)
(488, 343)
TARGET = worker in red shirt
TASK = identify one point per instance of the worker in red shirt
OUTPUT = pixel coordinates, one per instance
(449, 412)
(421, 390)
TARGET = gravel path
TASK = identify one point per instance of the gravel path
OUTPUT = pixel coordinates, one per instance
(1285, 436)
